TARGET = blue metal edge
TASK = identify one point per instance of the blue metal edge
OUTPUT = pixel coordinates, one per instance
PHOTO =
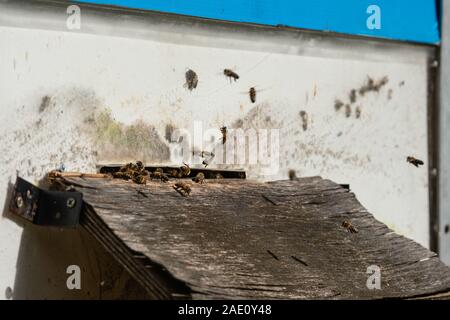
(403, 20)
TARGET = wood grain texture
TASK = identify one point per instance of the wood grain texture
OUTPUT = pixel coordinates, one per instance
(240, 239)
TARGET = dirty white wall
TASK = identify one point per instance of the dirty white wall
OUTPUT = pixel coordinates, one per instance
(110, 91)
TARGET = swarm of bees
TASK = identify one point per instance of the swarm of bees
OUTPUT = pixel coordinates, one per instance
(191, 79)
(415, 162)
(349, 227)
(182, 188)
(133, 171)
(231, 74)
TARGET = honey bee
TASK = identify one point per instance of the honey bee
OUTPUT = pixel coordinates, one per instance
(224, 131)
(206, 155)
(182, 188)
(140, 179)
(199, 178)
(414, 161)
(252, 94)
(358, 112)
(160, 175)
(185, 170)
(352, 96)
(133, 171)
(175, 173)
(292, 175)
(231, 74)
(349, 227)
(191, 80)
(338, 104)
(304, 117)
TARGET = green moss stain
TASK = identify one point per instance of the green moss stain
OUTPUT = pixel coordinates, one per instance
(118, 142)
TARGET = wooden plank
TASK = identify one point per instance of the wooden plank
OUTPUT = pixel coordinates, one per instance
(245, 239)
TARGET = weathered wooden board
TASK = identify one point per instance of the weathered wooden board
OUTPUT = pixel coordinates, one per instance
(243, 239)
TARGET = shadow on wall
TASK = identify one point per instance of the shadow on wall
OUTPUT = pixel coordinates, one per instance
(45, 254)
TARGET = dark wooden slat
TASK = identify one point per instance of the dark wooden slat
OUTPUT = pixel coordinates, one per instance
(246, 239)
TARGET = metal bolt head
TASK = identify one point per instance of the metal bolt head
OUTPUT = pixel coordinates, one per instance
(29, 194)
(71, 202)
(19, 201)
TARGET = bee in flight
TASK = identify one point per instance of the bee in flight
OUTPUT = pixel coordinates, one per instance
(230, 74)
(414, 161)
(252, 94)
(350, 228)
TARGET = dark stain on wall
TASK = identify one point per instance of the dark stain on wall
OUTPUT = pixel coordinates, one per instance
(45, 102)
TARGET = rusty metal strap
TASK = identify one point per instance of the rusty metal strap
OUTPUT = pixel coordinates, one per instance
(46, 208)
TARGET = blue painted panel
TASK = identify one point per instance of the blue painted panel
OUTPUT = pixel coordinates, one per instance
(408, 20)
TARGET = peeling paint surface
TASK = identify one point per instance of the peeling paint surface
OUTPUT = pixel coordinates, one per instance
(80, 99)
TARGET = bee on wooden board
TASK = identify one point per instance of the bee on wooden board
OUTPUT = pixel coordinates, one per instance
(231, 74)
(415, 162)
(174, 173)
(159, 175)
(292, 174)
(133, 171)
(182, 188)
(349, 227)
(199, 178)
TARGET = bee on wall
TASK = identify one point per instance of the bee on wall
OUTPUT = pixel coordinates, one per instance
(182, 188)
(415, 162)
(231, 74)
(349, 227)
(191, 79)
(224, 132)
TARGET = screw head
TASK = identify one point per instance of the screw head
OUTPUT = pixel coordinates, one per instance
(19, 202)
(71, 202)
(29, 194)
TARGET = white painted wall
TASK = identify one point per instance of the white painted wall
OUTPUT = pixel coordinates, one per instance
(134, 66)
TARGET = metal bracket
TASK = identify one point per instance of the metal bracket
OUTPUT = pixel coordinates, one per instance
(46, 208)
